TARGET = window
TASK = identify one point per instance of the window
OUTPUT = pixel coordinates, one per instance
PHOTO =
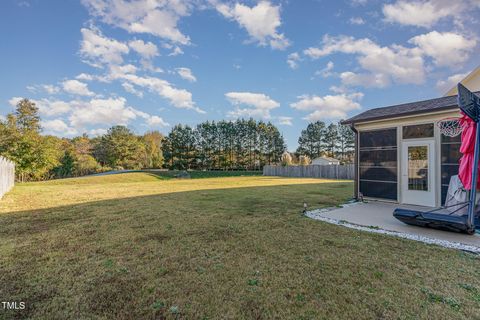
(378, 163)
(418, 131)
(418, 168)
(450, 155)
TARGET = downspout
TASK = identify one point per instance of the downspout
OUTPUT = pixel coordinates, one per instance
(355, 161)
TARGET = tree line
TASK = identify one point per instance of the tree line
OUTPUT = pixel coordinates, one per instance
(223, 145)
(334, 140)
(42, 157)
(211, 145)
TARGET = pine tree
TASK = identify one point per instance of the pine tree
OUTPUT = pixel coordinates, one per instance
(331, 140)
(346, 142)
(311, 141)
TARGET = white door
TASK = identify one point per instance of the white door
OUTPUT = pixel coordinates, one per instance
(418, 172)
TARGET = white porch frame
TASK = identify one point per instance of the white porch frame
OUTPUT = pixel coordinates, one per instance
(398, 123)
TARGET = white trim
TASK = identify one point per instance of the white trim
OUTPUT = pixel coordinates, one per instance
(416, 197)
(436, 139)
(401, 121)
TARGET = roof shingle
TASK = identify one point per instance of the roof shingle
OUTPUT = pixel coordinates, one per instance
(405, 109)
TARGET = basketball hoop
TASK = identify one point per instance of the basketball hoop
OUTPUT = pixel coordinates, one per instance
(450, 127)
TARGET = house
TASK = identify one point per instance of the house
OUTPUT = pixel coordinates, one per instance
(323, 161)
(400, 154)
(471, 81)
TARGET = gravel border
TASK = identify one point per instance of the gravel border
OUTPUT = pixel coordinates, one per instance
(318, 214)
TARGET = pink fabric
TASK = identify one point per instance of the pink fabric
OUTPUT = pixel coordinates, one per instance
(467, 148)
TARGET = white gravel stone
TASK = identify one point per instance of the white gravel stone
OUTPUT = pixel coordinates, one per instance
(319, 214)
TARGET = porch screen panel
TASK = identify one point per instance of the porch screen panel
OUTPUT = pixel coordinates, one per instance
(378, 163)
(449, 161)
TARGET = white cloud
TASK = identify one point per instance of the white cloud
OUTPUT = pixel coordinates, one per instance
(329, 106)
(377, 80)
(146, 50)
(131, 89)
(14, 101)
(446, 49)
(85, 77)
(83, 114)
(327, 71)
(46, 107)
(383, 64)
(58, 126)
(444, 85)
(118, 72)
(357, 21)
(180, 98)
(98, 132)
(342, 44)
(293, 59)
(258, 105)
(186, 74)
(47, 88)
(76, 87)
(285, 121)
(358, 2)
(176, 52)
(51, 89)
(260, 21)
(159, 18)
(110, 111)
(426, 13)
(98, 50)
(422, 14)
(49, 107)
(156, 121)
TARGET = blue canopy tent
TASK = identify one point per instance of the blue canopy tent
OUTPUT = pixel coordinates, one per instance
(469, 103)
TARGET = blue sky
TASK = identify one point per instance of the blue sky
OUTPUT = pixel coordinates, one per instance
(150, 64)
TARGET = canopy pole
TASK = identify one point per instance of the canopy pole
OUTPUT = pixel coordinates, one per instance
(473, 190)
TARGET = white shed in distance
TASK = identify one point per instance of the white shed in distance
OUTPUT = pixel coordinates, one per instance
(325, 161)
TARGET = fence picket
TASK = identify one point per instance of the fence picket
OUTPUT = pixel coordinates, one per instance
(344, 172)
(7, 175)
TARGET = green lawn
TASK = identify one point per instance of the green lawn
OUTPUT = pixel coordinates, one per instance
(136, 246)
(198, 174)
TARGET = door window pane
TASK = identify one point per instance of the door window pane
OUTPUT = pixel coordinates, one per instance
(418, 131)
(418, 168)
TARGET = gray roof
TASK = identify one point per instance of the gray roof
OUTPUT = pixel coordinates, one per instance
(326, 158)
(438, 104)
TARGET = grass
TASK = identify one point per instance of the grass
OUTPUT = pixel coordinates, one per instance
(198, 174)
(136, 246)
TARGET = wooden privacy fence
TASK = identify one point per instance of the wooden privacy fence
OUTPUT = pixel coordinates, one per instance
(7, 175)
(346, 172)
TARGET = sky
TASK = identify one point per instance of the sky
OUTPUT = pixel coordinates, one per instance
(151, 64)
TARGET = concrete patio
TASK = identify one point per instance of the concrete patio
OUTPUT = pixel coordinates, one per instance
(378, 215)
